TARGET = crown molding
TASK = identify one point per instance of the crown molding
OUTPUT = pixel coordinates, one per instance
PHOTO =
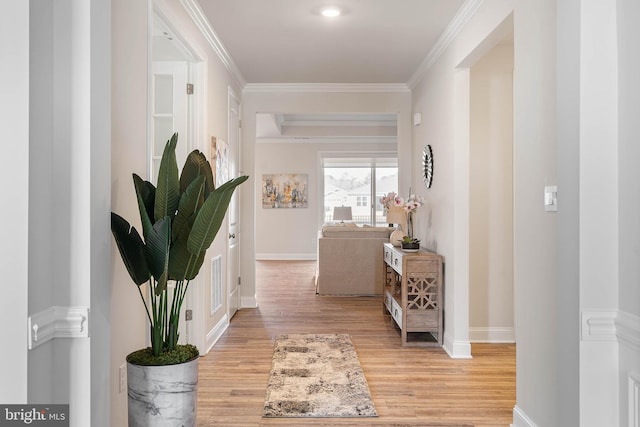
(326, 87)
(462, 17)
(199, 18)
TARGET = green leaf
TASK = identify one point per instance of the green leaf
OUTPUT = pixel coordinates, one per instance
(180, 257)
(196, 165)
(158, 248)
(168, 191)
(131, 248)
(210, 217)
(195, 267)
(183, 265)
(161, 284)
(146, 194)
(190, 201)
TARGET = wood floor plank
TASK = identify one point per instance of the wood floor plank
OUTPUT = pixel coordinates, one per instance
(410, 387)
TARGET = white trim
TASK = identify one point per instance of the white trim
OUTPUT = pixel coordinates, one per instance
(457, 349)
(249, 302)
(611, 325)
(598, 325)
(628, 330)
(216, 285)
(520, 419)
(215, 333)
(286, 257)
(167, 18)
(492, 335)
(202, 23)
(327, 87)
(57, 322)
(633, 396)
(462, 17)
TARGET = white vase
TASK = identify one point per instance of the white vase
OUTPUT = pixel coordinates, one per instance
(163, 396)
(396, 237)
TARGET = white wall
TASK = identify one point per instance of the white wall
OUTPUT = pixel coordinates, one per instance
(535, 230)
(598, 208)
(128, 155)
(308, 99)
(14, 257)
(491, 193)
(69, 199)
(293, 233)
(609, 202)
(41, 193)
(568, 238)
(60, 134)
(286, 233)
(629, 205)
(628, 155)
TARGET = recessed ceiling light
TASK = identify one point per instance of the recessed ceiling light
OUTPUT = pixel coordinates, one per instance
(331, 12)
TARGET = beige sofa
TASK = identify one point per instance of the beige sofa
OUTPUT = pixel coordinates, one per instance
(350, 260)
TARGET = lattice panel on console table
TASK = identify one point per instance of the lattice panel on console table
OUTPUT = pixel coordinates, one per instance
(391, 277)
(422, 291)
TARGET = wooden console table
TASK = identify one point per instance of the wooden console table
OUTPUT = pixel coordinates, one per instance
(413, 294)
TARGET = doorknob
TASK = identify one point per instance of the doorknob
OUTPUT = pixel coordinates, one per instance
(232, 236)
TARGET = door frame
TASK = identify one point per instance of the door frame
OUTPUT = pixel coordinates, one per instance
(237, 156)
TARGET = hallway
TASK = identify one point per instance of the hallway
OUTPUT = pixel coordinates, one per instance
(410, 386)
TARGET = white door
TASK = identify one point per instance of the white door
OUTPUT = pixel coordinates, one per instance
(169, 111)
(233, 259)
(169, 114)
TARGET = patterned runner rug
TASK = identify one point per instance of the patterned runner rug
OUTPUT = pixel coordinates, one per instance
(317, 376)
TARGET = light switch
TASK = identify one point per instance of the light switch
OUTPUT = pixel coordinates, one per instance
(551, 198)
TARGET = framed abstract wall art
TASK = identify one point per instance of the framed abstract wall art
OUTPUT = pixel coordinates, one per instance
(285, 191)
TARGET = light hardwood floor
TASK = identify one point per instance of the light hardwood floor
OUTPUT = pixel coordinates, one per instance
(409, 386)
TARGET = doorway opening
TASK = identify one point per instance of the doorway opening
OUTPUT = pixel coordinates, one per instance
(491, 206)
(298, 150)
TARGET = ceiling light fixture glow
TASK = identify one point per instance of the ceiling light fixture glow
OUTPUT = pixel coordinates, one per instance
(331, 12)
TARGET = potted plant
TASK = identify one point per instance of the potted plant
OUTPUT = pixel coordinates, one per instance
(180, 218)
(410, 244)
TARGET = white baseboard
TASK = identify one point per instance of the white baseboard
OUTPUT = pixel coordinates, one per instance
(457, 349)
(214, 334)
(248, 302)
(520, 419)
(492, 335)
(286, 257)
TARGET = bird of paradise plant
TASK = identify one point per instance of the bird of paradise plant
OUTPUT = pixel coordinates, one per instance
(180, 219)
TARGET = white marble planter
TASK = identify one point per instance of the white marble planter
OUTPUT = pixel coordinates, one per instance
(162, 396)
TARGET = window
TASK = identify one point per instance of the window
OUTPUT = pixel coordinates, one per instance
(356, 182)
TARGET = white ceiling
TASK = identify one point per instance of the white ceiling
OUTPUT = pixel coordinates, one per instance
(288, 41)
